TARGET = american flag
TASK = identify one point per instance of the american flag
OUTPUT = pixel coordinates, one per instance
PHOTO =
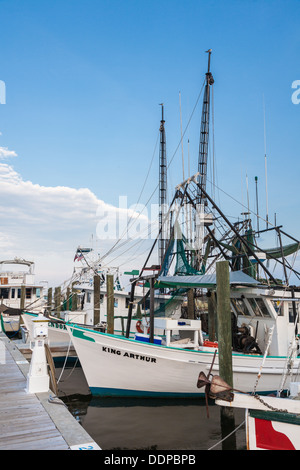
(78, 255)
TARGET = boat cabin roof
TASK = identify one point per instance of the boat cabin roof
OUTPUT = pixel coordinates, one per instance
(205, 280)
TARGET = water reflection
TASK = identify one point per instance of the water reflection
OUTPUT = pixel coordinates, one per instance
(146, 423)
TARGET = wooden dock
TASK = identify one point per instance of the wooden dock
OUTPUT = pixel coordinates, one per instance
(33, 421)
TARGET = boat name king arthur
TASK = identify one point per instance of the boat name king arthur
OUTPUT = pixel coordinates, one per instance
(127, 354)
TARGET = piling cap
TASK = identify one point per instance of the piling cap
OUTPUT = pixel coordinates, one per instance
(41, 318)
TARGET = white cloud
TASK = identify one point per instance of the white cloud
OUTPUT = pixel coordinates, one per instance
(47, 224)
(5, 153)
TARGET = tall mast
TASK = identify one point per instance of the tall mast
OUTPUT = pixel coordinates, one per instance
(162, 188)
(204, 133)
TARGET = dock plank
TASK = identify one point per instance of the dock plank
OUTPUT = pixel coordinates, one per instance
(24, 422)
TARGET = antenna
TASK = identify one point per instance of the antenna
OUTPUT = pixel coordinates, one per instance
(256, 178)
(183, 178)
(265, 144)
(248, 204)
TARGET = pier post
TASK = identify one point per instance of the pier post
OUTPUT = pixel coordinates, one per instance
(96, 299)
(191, 304)
(22, 302)
(49, 300)
(110, 303)
(74, 298)
(57, 301)
(38, 378)
(68, 299)
(211, 305)
(225, 348)
(224, 322)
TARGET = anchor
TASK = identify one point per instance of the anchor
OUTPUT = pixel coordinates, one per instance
(215, 387)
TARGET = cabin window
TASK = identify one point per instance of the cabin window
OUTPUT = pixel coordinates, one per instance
(88, 297)
(255, 307)
(12, 293)
(115, 302)
(127, 302)
(38, 292)
(4, 293)
(278, 306)
(101, 298)
(291, 311)
(263, 307)
(259, 308)
(28, 293)
(19, 293)
(240, 307)
(146, 304)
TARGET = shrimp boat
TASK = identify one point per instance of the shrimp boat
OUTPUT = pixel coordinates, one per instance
(79, 306)
(120, 366)
(263, 307)
(18, 290)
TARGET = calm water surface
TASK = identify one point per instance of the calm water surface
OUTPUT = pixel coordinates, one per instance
(148, 424)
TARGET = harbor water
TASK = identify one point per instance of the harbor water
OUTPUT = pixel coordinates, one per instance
(146, 423)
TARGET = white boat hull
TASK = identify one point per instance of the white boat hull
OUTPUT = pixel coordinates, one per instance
(57, 332)
(271, 424)
(11, 323)
(117, 366)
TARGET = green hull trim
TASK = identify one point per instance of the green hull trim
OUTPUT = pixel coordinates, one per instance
(118, 392)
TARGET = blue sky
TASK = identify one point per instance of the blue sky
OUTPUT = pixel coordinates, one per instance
(84, 80)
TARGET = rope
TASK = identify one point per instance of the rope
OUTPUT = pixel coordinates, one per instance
(228, 435)
(63, 368)
(57, 401)
(53, 383)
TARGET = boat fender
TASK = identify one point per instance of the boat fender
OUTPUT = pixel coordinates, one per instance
(210, 344)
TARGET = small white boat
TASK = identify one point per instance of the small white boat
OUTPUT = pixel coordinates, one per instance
(272, 423)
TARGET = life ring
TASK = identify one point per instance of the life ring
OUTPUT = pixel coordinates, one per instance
(139, 329)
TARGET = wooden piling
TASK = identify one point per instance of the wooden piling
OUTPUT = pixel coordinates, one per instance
(23, 294)
(57, 301)
(224, 322)
(225, 348)
(191, 304)
(68, 299)
(74, 298)
(212, 313)
(110, 303)
(49, 300)
(96, 299)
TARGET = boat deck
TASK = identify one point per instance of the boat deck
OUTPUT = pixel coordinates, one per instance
(31, 421)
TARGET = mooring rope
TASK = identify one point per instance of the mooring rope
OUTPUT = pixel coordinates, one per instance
(228, 435)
